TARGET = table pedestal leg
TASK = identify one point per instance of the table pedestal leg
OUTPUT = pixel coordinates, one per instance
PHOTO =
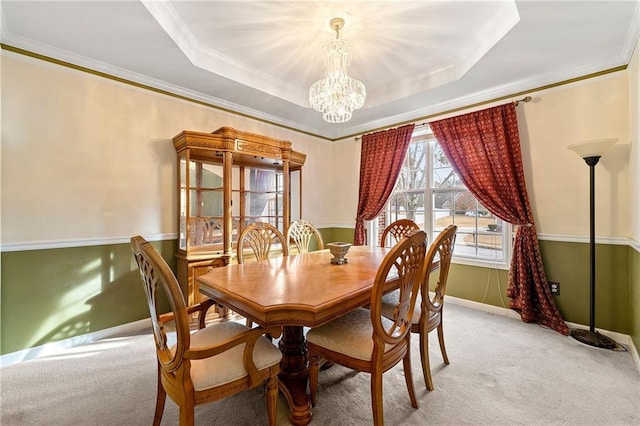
(294, 374)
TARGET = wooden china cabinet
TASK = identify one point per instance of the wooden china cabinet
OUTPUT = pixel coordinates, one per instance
(227, 179)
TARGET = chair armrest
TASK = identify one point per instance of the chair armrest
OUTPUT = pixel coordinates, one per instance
(202, 309)
(165, 318)
(248, 337)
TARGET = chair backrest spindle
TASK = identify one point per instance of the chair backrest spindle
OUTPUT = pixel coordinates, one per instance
(397, 230)
(301, 233)
(259, 237)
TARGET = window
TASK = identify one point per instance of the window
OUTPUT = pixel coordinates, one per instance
(430, 193)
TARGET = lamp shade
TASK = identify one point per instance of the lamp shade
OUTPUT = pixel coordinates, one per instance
(592, 148)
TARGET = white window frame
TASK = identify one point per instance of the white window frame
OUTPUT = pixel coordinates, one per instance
(507, 229)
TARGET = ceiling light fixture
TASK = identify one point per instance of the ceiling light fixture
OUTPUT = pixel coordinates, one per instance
(337, 95)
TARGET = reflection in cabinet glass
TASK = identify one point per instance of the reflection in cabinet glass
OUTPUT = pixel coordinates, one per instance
(227, 179)
(204, 193)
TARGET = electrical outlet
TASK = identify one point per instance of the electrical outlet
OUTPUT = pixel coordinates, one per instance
(555, 288)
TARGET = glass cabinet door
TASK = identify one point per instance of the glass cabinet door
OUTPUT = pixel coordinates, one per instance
(182, 199)
(258, 197)
(201, 209)
(295, 199)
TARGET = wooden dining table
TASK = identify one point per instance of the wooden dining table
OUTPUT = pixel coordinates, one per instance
(293, 292)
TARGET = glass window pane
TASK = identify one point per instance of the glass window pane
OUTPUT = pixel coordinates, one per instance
(443, 175)
(442, 206)
(426, 169)
(412, 175)
(464, 202)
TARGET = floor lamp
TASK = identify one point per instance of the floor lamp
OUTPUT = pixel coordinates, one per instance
(590, 152)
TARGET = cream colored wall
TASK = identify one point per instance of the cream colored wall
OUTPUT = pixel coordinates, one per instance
(95, 159)
(318, 180)
(93, 167)
(346, 155)
(557, 180)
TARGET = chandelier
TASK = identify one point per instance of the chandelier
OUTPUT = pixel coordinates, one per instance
(337, 95)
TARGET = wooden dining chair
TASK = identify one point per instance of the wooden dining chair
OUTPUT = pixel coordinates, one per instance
(396, 231)
(428, 309)
(300, 234)
(211, 363)
(366, 341)
(260, 237)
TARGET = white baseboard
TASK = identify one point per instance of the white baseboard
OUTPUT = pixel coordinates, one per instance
(56, 348)
(623, 339)
(491, 309)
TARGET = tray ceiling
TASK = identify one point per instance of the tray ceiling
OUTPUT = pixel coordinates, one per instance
(259, 58)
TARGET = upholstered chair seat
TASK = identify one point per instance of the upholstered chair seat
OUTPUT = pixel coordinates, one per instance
(349, 335)
(227, 366)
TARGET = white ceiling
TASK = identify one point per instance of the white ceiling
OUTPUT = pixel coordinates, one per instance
(416, 58)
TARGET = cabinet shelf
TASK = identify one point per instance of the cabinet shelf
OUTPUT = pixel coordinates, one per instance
(259, 192)
(204, 189)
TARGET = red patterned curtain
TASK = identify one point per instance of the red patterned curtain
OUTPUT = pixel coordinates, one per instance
(484, 149)
(381, 159)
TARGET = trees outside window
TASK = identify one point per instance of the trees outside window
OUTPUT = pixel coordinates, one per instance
(429, 192)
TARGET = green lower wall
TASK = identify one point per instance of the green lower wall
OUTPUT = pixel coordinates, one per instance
(54, 294)
(50, 295)
(634, 288)
(333, 235)
(567, 264)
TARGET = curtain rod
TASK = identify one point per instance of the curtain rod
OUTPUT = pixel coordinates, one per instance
(516, 102)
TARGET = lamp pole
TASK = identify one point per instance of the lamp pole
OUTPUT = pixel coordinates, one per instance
(591, 162)
(591, 152)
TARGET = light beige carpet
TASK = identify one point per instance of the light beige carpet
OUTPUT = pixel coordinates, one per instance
(502, 372)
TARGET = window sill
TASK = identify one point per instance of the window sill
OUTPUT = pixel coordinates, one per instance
(482, 263)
